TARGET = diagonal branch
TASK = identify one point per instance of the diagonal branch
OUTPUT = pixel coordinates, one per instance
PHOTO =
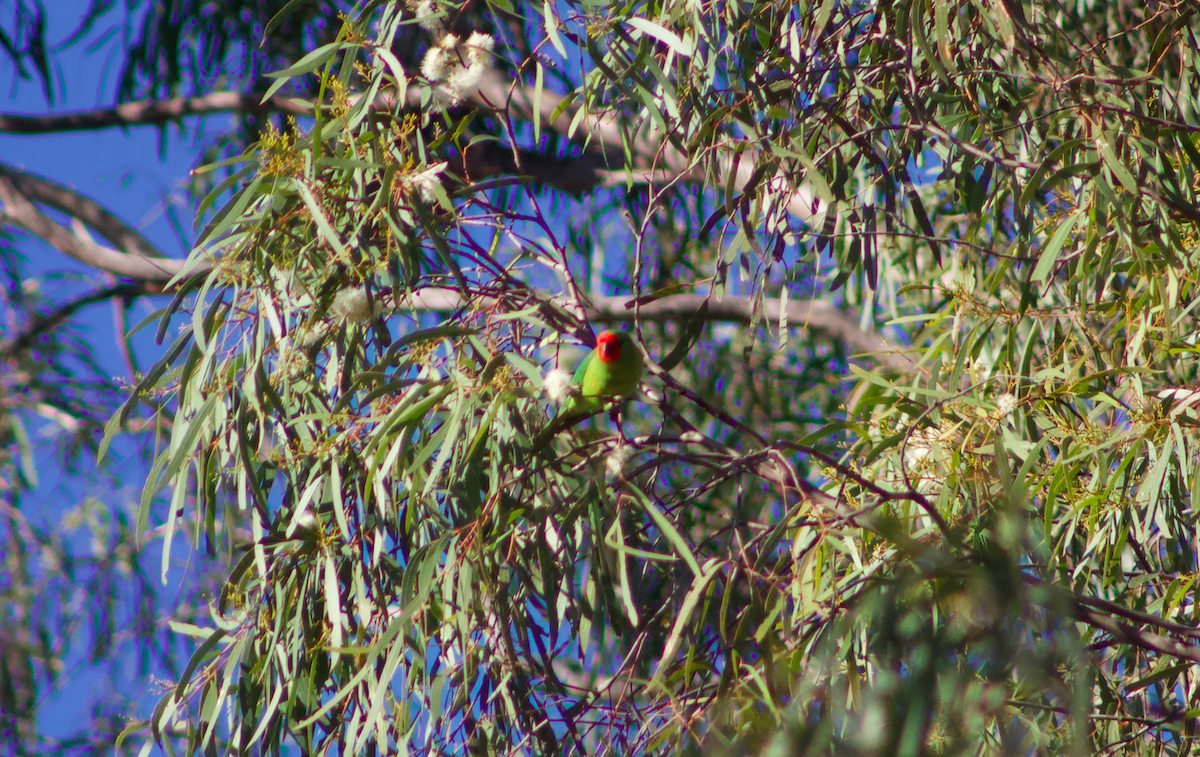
(122, 236)
(44, 323)
(600, 136)
(1129, 634)
(1103, 616)
(20, 210)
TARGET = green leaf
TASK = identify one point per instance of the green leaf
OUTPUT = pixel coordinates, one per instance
(551, 26)
(668, 529)
(662, 34)
(700, 583)
(1049, 256)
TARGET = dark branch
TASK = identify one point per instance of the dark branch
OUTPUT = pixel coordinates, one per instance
(120, 234)
(600, 135)
(48, 322)
(149, 113)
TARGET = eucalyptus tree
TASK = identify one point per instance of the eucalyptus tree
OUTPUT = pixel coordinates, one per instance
(910, 468)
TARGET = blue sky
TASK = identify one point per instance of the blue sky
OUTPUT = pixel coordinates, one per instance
(134, 174)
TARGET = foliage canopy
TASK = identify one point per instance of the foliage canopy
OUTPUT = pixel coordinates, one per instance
(931, 493)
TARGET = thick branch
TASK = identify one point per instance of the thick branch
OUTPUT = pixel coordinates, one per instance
(819, 316)
(120, 234)
(149, 113)
(18, 209)
(17, 187)
(600, 136)
(603, 136)
(576, 176)
(822, 317)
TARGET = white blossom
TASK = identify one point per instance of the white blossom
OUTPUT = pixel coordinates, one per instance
(1005, 404)
(440, 58)
(312, 333)
(557, 385)
(463, 83)
(455, 68)
(423, 182)
(928, 452)
(477, 54)
(614, 465)
(479, 49)
(441, 99)
(351, 304)
(428, 16)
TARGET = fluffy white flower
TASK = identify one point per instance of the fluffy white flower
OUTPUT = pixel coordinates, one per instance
(476, 53)
(423, 183)
(440, 58)
(928, 449)
(479, 49)
(557, 385)
(1005, 404)
(614, 465)
(464, 82)
(312, 333)
(351, 304)
(428, 16)
(442, 98)
(455, 68)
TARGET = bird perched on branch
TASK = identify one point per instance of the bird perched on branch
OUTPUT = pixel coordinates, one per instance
(609, 372)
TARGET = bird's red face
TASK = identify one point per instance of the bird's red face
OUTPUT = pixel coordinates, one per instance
(608, 347)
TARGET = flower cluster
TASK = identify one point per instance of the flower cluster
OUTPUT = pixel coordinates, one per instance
(422, 183)
(455, 68)
(352, 305)
(557, 385)
(614, 465)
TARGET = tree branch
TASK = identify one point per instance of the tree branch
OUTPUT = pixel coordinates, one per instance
(20, 210)
(601, 136)
(150, 113)
(50, 321)
(822, 317)
(144, 263)
(120, 234)
(1128, 634)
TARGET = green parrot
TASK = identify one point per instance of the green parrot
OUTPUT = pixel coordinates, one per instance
(611, 371)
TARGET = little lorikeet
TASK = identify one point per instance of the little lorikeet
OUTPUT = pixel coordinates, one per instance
(611, 371)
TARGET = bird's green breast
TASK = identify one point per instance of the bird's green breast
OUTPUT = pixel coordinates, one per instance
(598, 381)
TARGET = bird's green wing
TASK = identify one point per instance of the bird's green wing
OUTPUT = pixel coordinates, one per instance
(582, 403)
(582, 368)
